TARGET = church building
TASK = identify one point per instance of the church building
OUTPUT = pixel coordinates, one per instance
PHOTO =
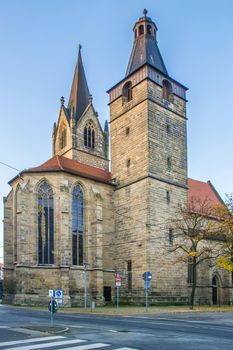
(72, 223)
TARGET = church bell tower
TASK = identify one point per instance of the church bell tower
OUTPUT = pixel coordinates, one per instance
(149, 157)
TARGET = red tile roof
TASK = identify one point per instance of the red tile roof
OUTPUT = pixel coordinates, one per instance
(59, 163)
(197, 190)
(203, 192)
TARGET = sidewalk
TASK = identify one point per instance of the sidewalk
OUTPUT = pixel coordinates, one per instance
(140, 310)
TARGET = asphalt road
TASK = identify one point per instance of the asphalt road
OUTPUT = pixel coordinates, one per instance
(190, 331)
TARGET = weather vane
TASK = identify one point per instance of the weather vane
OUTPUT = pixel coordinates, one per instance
(145, 12)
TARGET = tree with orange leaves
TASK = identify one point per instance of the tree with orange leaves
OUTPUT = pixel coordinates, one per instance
(196, 238)
(225, 215)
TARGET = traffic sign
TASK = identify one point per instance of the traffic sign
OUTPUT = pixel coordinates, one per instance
(118, 284)
(52, 306)
(147, 276)
(58, 294)
(51, 293)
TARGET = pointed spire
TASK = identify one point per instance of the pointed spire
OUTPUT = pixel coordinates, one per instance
(145, 48)
(106, 126)
(79, 94)
(62, 100)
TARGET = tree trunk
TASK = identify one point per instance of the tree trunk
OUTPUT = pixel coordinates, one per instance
(194, 285)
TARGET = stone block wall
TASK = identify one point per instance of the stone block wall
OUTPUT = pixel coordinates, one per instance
(28, 282)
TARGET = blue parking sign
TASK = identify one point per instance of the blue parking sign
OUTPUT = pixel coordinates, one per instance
(58, 294)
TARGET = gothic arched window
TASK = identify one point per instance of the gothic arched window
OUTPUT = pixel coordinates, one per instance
(45, 224)
(127, 91)
(89, 135)
(77, 226)
(167, 91)
(63, 139)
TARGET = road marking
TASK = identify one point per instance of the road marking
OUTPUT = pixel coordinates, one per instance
(48, 345)
(69, 325)
(88, 347)
(113, 331)
(32, 340)
(126, 349)
(4, 327)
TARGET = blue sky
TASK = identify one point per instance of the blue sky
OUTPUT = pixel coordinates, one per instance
(39, 41)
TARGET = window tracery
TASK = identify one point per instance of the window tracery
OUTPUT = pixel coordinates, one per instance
(45, 224)
(77, 226)
(89, 135)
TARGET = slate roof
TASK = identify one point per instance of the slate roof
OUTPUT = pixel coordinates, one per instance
(145, 50)
(63, 164)
(79, 94)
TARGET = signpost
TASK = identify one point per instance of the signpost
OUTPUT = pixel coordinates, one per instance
(56, 297)
(118, 284)
(147, 276)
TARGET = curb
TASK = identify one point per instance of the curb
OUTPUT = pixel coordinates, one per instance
(47, 330)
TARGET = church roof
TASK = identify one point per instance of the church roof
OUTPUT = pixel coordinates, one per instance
(59, 163)
(79, 94)
(203, 191)
(145, 49)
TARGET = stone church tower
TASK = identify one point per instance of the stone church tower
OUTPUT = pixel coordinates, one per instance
(149, 162)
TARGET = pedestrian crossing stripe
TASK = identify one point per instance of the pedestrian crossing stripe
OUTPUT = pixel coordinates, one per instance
(55, 341)
(88, 347)
(32, 340)
(48, 345)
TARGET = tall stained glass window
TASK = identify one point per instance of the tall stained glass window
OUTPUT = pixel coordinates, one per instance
(45, 225)
(77, 226)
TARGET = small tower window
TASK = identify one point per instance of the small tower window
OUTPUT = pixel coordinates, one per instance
(89, 135)
(171, 237)
(167, 91)
(149, 29)
(168, 197)
(141, 29)
(127, 91)
(127, 129)
(128, 163)
(169, 163)
(168, 128)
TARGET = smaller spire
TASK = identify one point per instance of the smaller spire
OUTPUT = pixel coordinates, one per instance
(62, 100)
(79, 93)
(90, 98)
(106, 126)
(54, 128)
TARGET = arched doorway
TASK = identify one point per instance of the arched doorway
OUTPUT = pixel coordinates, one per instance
(215, 296)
